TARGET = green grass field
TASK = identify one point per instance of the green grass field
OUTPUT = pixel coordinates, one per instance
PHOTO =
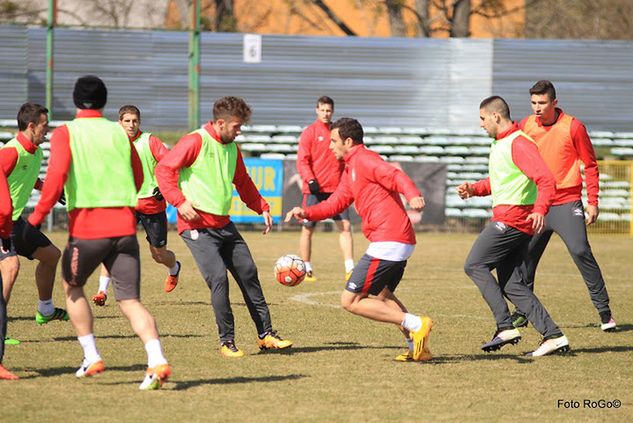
(341, 366)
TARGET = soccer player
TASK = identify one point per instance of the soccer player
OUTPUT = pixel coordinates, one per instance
(5, 234)
(197, 177)
(150, 210)
(522, 189)
(564, 144)
(321, 173)
(375, 186)
(20, 161)
(97, 166)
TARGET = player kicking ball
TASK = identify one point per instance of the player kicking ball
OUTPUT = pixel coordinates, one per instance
(375, 187)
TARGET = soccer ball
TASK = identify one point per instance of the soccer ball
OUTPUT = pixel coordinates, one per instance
(290, 270)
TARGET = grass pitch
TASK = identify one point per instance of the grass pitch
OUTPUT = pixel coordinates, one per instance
(341, 366)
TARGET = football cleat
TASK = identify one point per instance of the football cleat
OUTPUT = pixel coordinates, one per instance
(310, 277)
(501, 338)
(405, 356)
(348, 275)
(519, 320)
(89, 369)
(58, 314)
(272, 341)
(6, 374)
(420, 340)
(228, 349)
(551, 346)
(11, 341)
(155, 377)
(610, 326)
(172, 280)
(100, 298)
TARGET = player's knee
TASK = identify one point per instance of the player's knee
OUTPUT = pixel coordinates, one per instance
(580, 250)
(348, 301)
(470, 268)
(49, 255)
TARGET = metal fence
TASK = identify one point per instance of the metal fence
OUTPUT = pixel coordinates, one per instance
(396, 82)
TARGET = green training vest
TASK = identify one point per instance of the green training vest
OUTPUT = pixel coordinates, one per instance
(100, 173)
(22, 179)
(208, 182)
(149, 163)
(508, 183)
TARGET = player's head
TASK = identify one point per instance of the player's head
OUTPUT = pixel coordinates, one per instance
(345, 133)
(543, 100)
(325, 109)
(130, 119)
(229, 114)
(33, 122)
(90, 93)
(494, 113)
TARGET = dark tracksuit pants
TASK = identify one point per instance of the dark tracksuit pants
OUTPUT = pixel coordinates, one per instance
(215, 251)
(504, 248)
(568, 221)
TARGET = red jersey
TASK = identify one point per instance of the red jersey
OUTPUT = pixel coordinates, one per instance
(526, 157)
(374, 186)
(150, 205)
(184, 154)
(563, 145)
(316, 161)
(84, 223)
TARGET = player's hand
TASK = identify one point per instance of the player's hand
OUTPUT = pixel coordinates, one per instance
(417, 203)
(314, 187)
(6, 245)
(62, 199)
(538, 221)
(268, 220)
(187, 212)
(592, 214)
(157, 194)
(465, 190)
(297, 212)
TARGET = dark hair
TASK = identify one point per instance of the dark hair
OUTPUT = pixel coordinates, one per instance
(129, 109)
(325, 100)
(496, 104)
(349, 128)
(30, 113)
(544, 87)
(90, 93)
(228, 107)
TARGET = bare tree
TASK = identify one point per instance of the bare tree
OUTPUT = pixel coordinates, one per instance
(225, 20)
(461, 19)
(396, 20)
(112, 12)
(581, 19)
(22, 11)
(333, 17)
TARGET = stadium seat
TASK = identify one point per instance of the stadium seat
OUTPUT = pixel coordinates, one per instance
(400, 158)
(273, 156)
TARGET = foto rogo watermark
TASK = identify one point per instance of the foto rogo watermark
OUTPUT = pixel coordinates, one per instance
(588, 403)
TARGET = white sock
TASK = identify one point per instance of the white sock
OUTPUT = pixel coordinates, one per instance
(46, 307)
(88, 343)
(349, 265)
(410, 344)
(155, 355)
(173, 271)
(412, 322)
(104, 281)
(308, 266)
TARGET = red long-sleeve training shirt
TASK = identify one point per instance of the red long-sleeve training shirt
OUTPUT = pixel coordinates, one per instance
(374, 186)
(526, 157)
(583, 151)
(316, 161)
(6, 208)
(184, 154)
(150, 205)
(84, 223)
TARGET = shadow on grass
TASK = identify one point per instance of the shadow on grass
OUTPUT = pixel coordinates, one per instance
(620, 328)
(60, 371)
(451, 359)
(612, 348)
(130, 336)
(182, 386)
(331, 346)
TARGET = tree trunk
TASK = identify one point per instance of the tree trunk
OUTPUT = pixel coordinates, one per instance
(225, 20)
(460, 27)
(422, 9)
(396, 22)
(321, 5)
